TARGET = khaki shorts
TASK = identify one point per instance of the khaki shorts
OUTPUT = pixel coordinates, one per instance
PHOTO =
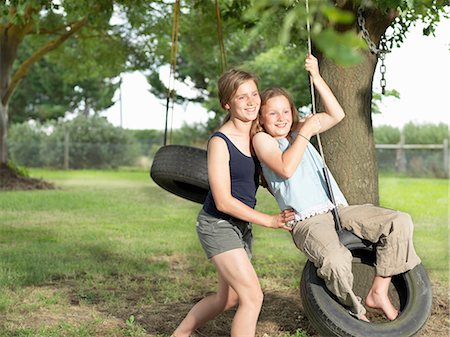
(218, 235)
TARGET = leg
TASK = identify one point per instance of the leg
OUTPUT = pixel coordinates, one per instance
(377, 297)
(207, 309)
(238, 273)
(316, 237)
(237, 283)
(392, 232)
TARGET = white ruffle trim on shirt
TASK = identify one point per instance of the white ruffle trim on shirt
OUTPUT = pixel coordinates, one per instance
(316, 210)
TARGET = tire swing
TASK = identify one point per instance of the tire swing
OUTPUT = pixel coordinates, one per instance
(410, 291)
(180, 169)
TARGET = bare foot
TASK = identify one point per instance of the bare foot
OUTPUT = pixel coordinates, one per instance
(381, 301)
(363, 318)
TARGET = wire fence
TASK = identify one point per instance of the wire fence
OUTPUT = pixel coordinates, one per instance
(414, 159)
(419, 160)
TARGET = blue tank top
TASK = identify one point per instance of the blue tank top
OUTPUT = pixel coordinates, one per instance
(244, 179)
(306, 190)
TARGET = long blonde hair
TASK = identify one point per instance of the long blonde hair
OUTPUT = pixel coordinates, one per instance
(265, 96)
(228, 84)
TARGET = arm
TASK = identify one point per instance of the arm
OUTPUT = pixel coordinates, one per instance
(333, 113)
(284, 163)
(220, 184)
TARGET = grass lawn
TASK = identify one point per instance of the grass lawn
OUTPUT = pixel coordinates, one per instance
(104, 253)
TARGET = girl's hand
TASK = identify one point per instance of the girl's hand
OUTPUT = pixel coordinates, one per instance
(312, 66)
(280, 220)
(310, 126)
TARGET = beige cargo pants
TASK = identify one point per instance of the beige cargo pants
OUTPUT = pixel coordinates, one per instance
(391, 230)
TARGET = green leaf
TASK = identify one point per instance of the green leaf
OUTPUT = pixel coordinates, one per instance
(287, 26)
(337, 15)
(343, 48)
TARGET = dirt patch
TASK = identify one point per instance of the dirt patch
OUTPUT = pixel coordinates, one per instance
(50, 311)
(282, 313)
(11, 180)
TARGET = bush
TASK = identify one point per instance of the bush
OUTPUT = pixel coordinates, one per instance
(93, 143)
(425, 133)
(24, 144)
(414, 133)
(386, 134)
(147, 138)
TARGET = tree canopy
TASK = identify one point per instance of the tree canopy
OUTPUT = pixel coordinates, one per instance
(90, 45)
(94, 41)
(269, 38)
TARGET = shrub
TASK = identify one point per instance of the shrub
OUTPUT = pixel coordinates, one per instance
(24, 143)
(425, 133)
(386, 134)
(93, 143)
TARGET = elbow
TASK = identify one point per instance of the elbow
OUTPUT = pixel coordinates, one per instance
(341, 116)
(286, 174)
(222, 205)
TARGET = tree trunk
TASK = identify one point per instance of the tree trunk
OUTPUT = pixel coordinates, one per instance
(9, 42)
(10, 38)
(3, 134)
(349, 147)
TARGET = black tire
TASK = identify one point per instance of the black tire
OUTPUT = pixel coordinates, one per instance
(412, 290)
(182, 170)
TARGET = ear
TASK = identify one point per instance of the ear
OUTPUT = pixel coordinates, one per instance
(227, 106)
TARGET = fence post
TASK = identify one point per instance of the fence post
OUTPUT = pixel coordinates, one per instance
(66, 148)
(400, 159)
(445, 150)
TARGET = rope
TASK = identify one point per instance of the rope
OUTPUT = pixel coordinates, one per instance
(223, 56)
(173, 67)
(311, 83)
(173, 61)
(336, 218)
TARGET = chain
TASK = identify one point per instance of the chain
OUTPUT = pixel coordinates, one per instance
(379, 52)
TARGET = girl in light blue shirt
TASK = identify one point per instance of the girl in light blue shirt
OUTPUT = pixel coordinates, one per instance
(292, 169)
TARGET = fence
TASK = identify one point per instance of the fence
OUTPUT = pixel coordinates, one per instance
(414, 159)
(409, 159)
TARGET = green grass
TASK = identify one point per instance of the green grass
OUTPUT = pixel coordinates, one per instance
(426, 200)
(108, 242)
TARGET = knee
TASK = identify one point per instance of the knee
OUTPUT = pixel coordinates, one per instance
(403, 226)
(258, 297)
(254, 298)
(337, 264)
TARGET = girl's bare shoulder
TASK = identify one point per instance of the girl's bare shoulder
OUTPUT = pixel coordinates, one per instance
(262, 136)
(263, 140)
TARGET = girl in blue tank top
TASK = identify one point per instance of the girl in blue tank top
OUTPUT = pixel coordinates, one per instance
(293, 171)
(224, 223)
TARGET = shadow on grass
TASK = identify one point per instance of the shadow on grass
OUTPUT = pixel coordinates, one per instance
(96, 274)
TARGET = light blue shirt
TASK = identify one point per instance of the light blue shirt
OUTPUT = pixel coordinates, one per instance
(306, 190)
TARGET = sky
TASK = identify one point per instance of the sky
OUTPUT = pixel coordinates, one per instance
(419, 69)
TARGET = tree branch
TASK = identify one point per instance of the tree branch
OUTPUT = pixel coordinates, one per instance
(55, 31)
(48, 47)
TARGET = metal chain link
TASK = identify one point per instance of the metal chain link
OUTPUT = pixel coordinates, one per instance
(379, 52)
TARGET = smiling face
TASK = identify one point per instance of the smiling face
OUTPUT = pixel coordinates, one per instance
(245, 102)
(276, 116)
